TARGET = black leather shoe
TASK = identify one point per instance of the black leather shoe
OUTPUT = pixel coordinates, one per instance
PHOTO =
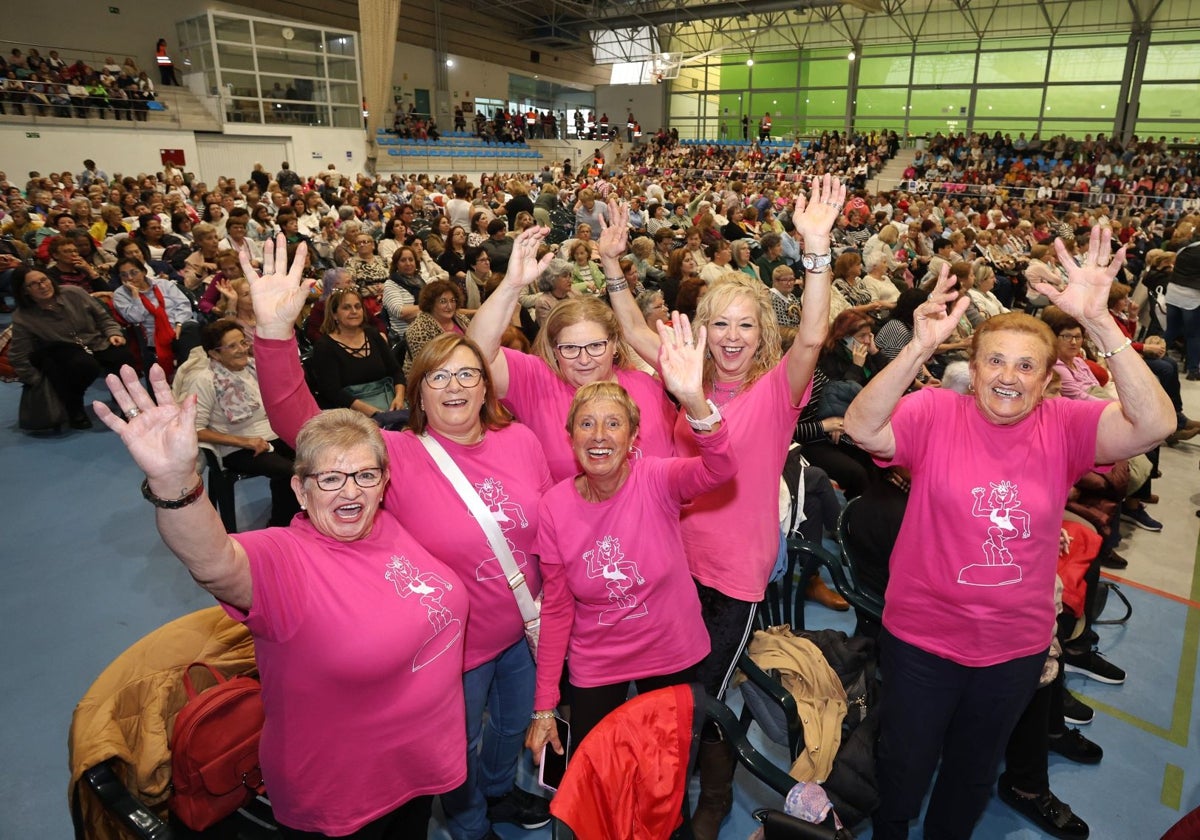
(1047, 812)
(1072, 745)
(1112, 560)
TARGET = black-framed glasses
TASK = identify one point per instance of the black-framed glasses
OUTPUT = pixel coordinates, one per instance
(467, 377)
(594, 349)
(333, 480)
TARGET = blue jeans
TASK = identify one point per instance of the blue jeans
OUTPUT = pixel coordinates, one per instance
(504, 688)
(1185, 322)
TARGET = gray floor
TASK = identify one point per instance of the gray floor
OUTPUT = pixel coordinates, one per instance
(83, 575)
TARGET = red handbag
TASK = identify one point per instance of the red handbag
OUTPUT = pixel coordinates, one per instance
(214, 749)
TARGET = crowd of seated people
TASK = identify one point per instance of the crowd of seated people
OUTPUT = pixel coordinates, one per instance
(693, 215)
(35, 85)
(1091, 171)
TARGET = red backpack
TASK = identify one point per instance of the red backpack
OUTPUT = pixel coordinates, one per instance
(214, 749)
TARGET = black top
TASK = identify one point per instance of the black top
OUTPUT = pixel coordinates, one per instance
(334, 368)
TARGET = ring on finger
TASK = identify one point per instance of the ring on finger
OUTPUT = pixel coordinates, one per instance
(133, 412)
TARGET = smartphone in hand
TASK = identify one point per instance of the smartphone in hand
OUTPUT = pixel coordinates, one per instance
(551, 765)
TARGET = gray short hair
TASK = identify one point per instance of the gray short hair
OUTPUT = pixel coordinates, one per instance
(557, 268)
(336, 430)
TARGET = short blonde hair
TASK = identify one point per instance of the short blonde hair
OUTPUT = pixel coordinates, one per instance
(335, 431)
(610, 391)
(570, 312)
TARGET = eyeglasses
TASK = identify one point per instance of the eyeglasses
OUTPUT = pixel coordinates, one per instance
(236, 345)
(39, 281)
(467, 377)
(129, 275)
(594, 349)
(333, 480)
(1070, 338)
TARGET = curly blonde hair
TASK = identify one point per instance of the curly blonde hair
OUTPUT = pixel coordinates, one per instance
(730, 287)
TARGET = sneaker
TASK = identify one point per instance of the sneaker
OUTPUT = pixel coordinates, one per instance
(1112, 560)
(1093, 666)
(1047, 812)
(1072, 745)
(519, 807)
(1142, 519)
(1075, 710)
(1185, 433)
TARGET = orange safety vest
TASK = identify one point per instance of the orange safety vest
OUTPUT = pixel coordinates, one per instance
(162, 58)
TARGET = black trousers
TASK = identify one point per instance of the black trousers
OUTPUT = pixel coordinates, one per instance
(71, 369)
(1028, 749)
(409, 821)
(938, 709)
(729, 623)
(589, 706)
(278, 466)
(849, 466)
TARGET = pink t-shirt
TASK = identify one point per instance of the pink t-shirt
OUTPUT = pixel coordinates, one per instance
(972, 571)
(508, 466)
(359, 645)
(540, 400)
(731, 534)
(619, 599)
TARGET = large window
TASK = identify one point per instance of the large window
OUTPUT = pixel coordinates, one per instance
(271, 71)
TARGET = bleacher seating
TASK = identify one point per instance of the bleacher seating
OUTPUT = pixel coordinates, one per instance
(453, 144)
(772, 145)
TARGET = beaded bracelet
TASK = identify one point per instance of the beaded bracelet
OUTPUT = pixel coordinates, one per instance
(172, 504)
(544, 715)
(1111, 353)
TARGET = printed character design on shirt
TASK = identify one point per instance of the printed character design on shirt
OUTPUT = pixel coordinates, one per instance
(508, 515)
(430, 587)
(607, 561)
(1008, 521)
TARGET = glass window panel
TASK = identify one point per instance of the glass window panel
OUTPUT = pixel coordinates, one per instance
(949, 104)
(835, 73)
(831, 52)
(1081, 101)
(291, 63)
(1008, 102)
(1164, 101)
(245, 110)
(735, 75)
(891, 70)
(272, 35)
(1015, 43)
(340, 68)
(879, 125)
(1012, 127)
(235, 58)
(343, 94)
(1186, 133)
(683, 106)
(1091, 39)
(339, 45)
(1002, 67)
(943, 69)
(731, 104)
(918, 126)
(1173, 62)
(946, 46)
(779, 104)
(345, 118)
(232, 29)
(775, 75)
(240, 84)
(1163, 36)
(825, 103)
(1075, 129)
(878, 102)
(1087, 65)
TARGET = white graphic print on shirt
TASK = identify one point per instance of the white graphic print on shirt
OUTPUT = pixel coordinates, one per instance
(508, 515)
(430, 586)
(1008, 521)
(607, 561)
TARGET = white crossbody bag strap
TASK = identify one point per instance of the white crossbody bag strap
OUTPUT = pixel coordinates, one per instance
(487, 522)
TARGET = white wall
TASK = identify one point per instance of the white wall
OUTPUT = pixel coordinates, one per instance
(311, 150)
(647, 102)
(128, 151)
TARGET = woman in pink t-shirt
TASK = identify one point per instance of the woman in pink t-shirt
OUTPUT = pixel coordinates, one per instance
(619, 600)
(970, 597)
(358, 630)
(452, 401)
(731, 533)
(579, 343)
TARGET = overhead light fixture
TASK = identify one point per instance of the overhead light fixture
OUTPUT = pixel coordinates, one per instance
(851, 56)
(749, 62)
(449, 62)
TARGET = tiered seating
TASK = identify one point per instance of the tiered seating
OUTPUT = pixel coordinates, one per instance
(453, 144)
(772, 145)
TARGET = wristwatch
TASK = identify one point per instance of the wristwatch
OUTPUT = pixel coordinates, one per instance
(707, 423)
(816, 263)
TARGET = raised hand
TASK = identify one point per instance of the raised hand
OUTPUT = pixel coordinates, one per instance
(524, 266)
(614, 233)
(815, 216)
(932, 325)
(681, 359)
(1086, 296)
(279, 293)
(159, 433)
